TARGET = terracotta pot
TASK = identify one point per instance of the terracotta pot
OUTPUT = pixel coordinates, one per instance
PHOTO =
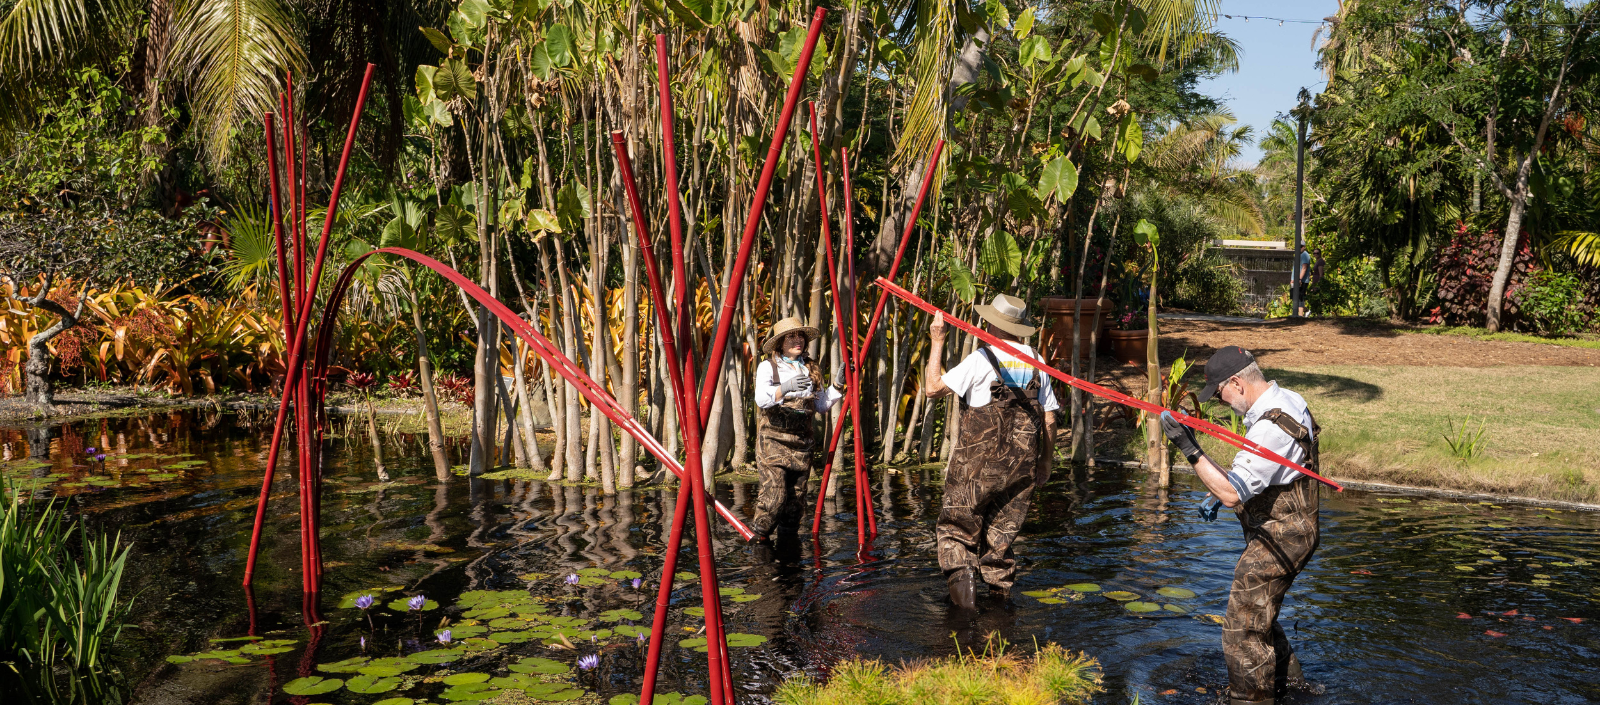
(1130, 347)
(1056, 331)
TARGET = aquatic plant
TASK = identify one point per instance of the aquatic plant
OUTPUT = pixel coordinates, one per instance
(444, 637)
(1052, 675)
(415, 603)
(56, 607)
(588, 663)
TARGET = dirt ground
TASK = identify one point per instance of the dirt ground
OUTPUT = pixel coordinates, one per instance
(1286, 343)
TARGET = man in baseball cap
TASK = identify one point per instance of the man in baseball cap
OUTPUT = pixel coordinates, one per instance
(1276, 506)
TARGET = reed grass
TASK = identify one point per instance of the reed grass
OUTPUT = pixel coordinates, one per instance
(998, 676)
(56, 608)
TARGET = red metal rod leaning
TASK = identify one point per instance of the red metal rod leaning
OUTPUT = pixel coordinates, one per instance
(1202, 425)
(730, 297)
(862, 344)
(863, 481)
(658, 622)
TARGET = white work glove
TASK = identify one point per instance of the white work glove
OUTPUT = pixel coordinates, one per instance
(796, 387)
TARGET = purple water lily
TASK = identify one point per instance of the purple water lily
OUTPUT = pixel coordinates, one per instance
(363, 643)
(572, 579)
(444, 637)
(416, 603)
(637, 582)
(364, 601)
(641, 640)
(588, 663)
(101, 457)
(88, 451)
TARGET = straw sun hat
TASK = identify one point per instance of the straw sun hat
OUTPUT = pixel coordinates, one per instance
(785, 327)
(1008, 313)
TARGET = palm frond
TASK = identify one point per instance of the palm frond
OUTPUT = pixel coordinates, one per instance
(1181, 29)
(251, 243)
(1583, 246)
(235, 53)
(36, 35)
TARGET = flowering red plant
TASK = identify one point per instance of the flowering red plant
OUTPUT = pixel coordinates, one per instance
(361, 380)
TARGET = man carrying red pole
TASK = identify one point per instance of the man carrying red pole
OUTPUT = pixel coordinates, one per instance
(1003, 451)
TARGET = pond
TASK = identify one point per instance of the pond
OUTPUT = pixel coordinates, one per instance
(1409, 599)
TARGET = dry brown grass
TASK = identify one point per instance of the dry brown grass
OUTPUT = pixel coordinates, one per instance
(996, 677)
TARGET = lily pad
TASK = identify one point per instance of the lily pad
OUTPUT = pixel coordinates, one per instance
(534, 577)
(179, 659)
(464, 678)
(592, 581)
(1052, 601)
(436, 656)
(631, 630)
(1122, 595)
(729, 591)
(698, 612)
(697, 643)
(595, 572)
(540, 665)
(470, 691)
(626, 574)
(1175, 593)
(506, 623)
(1084, 587)
(371, 684)
(1040, 593)
(619, 615)
(745, 597)
(349, 665)
(685, 576)
(401, 606)
(739, 640)
(1175, 608)
(312, 685)
(1466, 568)
(236, 638)
(396, 701)
(1142, 606)
(562, 695)
(462, 631)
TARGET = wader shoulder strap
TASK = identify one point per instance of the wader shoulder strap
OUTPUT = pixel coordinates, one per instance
(1021, 393)
(1308, 442)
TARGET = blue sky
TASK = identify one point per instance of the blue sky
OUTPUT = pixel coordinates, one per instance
(1274, 63)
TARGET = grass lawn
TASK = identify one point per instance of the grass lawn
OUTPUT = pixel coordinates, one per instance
(1387, 424)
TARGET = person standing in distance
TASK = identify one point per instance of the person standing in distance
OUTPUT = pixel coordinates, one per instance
(1277, 507)
(1003, 451)
(790, 393)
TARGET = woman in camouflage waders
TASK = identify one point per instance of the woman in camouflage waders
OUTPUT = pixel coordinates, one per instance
(790, 393)
(1003, 451)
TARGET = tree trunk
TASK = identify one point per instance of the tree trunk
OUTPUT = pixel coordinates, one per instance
(1508, 257)
(627, 387)
(37, 389)
(430, 400)
(1155, 440)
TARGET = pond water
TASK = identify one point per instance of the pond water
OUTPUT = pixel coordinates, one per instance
(1410, 599)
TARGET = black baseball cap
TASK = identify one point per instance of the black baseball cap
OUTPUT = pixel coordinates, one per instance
(1223, 364)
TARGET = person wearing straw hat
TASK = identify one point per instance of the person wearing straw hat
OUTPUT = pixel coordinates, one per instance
(1278, 508)
(1004, 450)
(790, 393)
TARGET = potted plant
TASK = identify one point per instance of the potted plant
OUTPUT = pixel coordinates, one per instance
(1130, 334)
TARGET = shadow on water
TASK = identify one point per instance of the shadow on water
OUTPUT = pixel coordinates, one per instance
(1409, 599)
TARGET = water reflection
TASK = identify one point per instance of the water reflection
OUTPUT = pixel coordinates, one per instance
(1409, 599)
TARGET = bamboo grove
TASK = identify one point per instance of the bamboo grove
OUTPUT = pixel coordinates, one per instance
(489, 148)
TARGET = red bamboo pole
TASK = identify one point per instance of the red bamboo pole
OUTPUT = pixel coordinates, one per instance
(276, 206)
(674, 206)
(838, 314)
(730, 297)
(293, 373)
(1198, 424)
(863, 481)
(862, 344)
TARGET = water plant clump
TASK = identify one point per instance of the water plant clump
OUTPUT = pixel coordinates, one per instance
(57, 606)
(999, 674)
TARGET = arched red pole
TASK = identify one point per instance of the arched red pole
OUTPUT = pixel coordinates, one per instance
(1198, 424)
(862, 344)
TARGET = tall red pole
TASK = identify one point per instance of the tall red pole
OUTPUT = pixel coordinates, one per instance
(862, 344)
(752, 223)
(293, 374)
(845, 338)
(863, 481)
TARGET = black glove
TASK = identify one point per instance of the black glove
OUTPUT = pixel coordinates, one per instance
(1181, 436)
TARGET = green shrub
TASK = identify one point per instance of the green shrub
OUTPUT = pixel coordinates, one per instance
(55, 607)
(1552, 303)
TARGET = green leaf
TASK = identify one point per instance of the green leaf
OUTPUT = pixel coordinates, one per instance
(1104, 24)
(1137, 20)
(371, 684)
(559, 41)
(1146, 234)
(743, 640)
(1144, 71)
(439, 114)
(424, 80)
(686, 15)
(999, 16)
(475, 11)
(960, 279)
(454, 79)
(312, 685)
(1059, 180)
(1091, 127)
(454, 225)
(464, 678)
(1000, 255)
(438, 39)
(1130, 138)
(398, 234)
(1024, 24)
(1034, 49)
(543, 66)
(540, 665)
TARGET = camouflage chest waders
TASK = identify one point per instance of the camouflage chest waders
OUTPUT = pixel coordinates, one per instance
(989, 483)
(1280, 531)
(785, 442)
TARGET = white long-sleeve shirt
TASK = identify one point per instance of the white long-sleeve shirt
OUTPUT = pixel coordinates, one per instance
(769, 394)
(1251, 473)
